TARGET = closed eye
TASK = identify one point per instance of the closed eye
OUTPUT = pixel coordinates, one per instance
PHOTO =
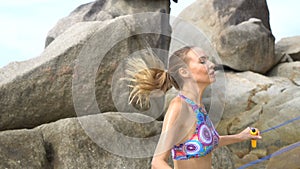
(203, 59)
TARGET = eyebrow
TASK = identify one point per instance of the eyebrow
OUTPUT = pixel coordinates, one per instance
(203, 57)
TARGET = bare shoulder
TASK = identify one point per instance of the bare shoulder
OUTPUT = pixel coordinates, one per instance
(175, 105)
(174, 109)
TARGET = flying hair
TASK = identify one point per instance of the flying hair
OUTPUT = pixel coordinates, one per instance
(147, 76)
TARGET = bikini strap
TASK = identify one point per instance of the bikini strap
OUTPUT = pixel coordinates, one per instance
(194, 106)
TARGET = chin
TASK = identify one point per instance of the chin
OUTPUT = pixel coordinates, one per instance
(212, 80)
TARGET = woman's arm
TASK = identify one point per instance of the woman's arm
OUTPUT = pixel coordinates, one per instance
(236, 138)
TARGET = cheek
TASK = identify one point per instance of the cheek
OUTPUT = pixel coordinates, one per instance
(200, 73)
(203, 70)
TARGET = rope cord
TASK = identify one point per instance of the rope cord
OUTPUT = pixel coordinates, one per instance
(288, 148)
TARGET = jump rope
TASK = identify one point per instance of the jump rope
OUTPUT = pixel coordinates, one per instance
(253, 144)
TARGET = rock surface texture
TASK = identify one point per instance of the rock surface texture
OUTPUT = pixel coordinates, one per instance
(66, 144)
(289, 48)
(239, 30)
(40, 90)
(101, 10)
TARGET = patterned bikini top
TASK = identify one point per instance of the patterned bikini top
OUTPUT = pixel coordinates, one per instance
(204, 139)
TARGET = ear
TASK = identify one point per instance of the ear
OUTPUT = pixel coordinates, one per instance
(184, 72)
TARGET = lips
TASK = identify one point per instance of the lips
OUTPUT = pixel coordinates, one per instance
(212, 73)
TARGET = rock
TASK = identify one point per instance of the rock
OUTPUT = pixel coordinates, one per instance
(248, 89)
(222, 158)
(86, 143)
(232, 28)
(281, 109)
(22, 149)
(101, 10)
(288, 159)
(260, 153)
(289, 46)
(68, 144)
(251, 156)
(245, 119)
(38, 91)
(290, 70)
(212, 16)
(247, 46)
(270, 99)
(246, 159)
(49, 87)
(274, 106)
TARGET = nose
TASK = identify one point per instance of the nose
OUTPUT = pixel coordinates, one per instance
(211, 65)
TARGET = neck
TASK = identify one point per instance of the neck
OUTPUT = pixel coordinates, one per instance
(193, 92)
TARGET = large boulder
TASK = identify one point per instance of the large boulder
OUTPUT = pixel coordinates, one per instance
(22, 149)
(282, 108)
(245, 90)
(68, 144)
(276, 119)
(239, 30)
(289, 158)
(101, 10)
(290, 70)
(47, 88)
(212, 16)
(247, 46)
(289, 47)
(222, 158)
(38, 91)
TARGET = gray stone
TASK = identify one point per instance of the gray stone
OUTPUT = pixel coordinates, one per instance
(242, 41)
(245, 119)
(248, 89)
(288, 159)
(290, 70)
(289, 46)
(81, 143)
(222, 158)
(212, 16)
(49, 87)
(68, 144)
(246, 93)
(38, 91)
(274, 105)
(101, 10)
(247, 46)
(282, 108)
(22, 149)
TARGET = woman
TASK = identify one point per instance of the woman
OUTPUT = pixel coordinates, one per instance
(187, 133)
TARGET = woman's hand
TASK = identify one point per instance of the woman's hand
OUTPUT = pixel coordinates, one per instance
(246, 135)
(236, 138)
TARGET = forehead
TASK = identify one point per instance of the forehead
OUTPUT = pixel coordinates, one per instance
(195, 53)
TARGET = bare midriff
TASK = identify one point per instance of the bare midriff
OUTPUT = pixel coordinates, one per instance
(194, 163)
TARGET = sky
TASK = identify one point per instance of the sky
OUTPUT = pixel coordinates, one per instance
(25, 23)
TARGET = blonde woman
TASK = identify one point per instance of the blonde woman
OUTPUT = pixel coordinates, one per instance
(187, 133)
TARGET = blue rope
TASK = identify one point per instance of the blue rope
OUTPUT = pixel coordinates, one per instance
(277, 152)
(295, 145)
(280, 125)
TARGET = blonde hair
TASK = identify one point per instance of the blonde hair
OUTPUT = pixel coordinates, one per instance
(147, 75)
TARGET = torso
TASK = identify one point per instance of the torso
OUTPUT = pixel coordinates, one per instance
(194, 163)
(194, 151)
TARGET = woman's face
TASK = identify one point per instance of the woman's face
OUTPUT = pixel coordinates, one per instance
(201, 69)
